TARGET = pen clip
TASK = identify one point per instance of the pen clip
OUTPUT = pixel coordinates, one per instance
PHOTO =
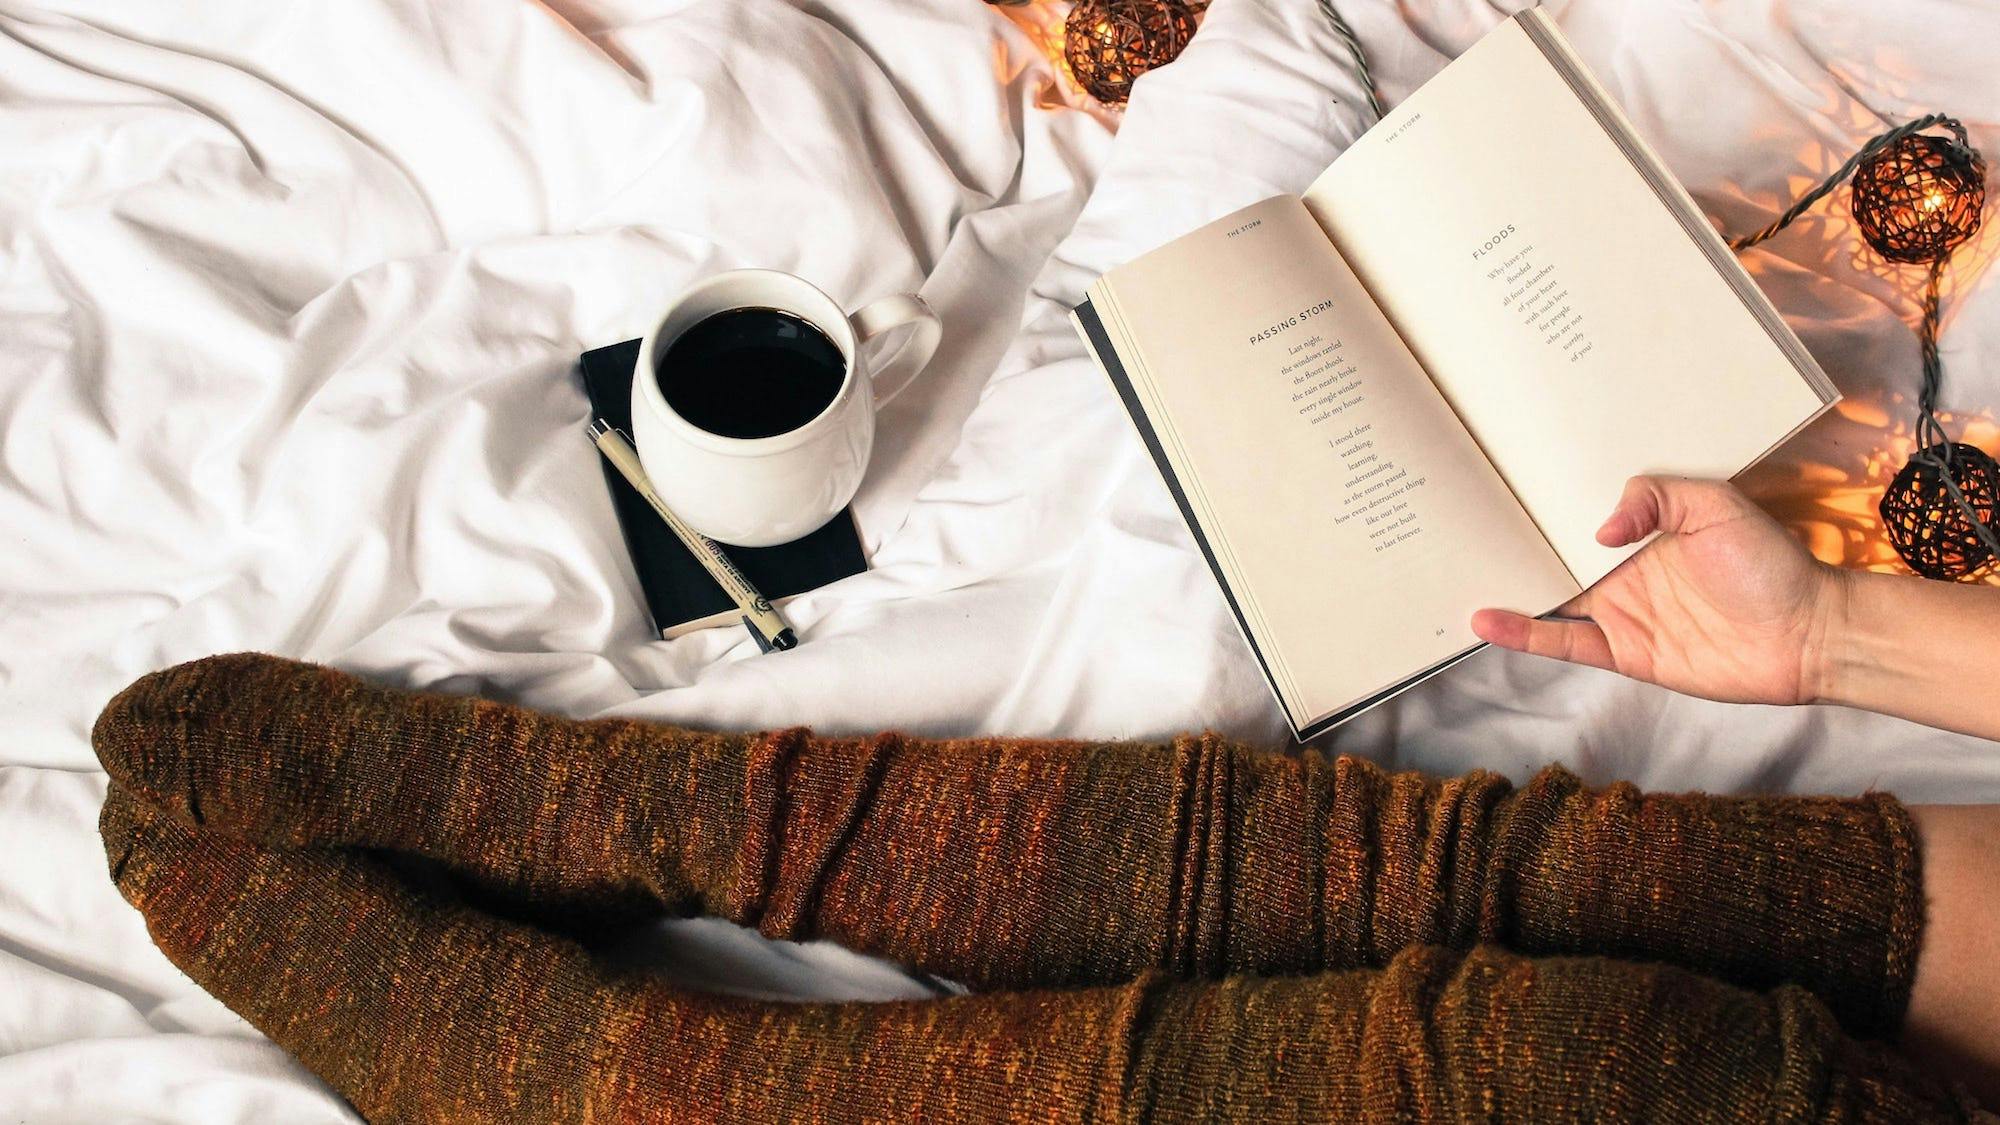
(598, 427)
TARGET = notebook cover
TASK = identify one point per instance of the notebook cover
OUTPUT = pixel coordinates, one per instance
(678, 589)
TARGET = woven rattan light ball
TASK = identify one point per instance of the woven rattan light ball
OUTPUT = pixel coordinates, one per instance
(1925, 524)
(1109, 43)
(1919, 197)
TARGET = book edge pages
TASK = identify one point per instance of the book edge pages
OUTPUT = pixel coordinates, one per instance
(1554, 46)
(1370, 702)
(1089, 326)
(1136, 375)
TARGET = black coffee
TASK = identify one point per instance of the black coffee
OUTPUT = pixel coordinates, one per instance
(750, 373)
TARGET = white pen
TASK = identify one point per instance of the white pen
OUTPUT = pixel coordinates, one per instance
(766, 627)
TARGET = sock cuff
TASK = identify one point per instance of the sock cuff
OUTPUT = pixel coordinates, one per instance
(1906, 912)
(1822, 892)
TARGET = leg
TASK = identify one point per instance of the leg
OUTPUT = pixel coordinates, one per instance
(418, 1009)
(1015, 863)
(1956, 995)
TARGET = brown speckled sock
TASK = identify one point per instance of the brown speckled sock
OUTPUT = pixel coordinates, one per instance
(1015, 863)
(418, 1009)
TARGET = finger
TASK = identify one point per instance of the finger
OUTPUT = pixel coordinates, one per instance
(1669, 505)
(1577, 642)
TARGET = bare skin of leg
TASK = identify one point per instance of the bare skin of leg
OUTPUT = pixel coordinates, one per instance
(1953, 1027)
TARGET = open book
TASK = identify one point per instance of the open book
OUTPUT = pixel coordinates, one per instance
(1420, 388)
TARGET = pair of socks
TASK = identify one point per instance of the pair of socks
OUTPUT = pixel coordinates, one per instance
(1173, 932)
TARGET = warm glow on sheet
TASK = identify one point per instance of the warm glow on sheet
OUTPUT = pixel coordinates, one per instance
(1833, 508)
(1826, 484)
(1042, 23)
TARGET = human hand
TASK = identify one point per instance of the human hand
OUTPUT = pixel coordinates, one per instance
(1723, 605)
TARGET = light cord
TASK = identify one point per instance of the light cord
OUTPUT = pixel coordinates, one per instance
(1840, 176)
(1930, 434)
(1353, 44)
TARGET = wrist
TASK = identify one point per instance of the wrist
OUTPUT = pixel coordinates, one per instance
(1819, 671)
(1906, 647)
(1843, 663)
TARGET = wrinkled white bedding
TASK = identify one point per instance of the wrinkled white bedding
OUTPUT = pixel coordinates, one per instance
(289, 295)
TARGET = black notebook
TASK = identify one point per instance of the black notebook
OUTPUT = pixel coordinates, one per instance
(680, 594)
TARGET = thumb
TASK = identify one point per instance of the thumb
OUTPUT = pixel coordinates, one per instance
(1670, 505)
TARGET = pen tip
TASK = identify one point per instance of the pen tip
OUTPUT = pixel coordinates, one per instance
(786, 639)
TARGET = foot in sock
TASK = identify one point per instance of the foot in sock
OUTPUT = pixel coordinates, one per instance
(533, 807)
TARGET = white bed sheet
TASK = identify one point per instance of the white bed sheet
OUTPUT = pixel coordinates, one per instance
(290, 294)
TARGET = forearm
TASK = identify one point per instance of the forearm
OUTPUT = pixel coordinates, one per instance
(1924, 651)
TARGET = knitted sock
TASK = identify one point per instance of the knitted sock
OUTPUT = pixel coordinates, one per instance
(418, 1009)
(1020, 863)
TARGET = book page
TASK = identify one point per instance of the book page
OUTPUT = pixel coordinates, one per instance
(1356, 523)
(1575, 324)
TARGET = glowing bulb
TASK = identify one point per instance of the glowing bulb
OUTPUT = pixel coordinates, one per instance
(1918, 198)
(1112, 42)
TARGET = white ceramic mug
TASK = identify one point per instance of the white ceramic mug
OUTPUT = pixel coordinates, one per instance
(757, 492)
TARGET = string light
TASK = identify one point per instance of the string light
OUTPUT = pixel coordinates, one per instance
(1916, 199)
(1919, 197)
(1940, 534)
(1110, 43)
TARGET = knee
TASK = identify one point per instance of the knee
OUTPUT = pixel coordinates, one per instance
(159, 735)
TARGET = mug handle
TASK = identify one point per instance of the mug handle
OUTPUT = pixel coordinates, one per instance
(877, 319)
